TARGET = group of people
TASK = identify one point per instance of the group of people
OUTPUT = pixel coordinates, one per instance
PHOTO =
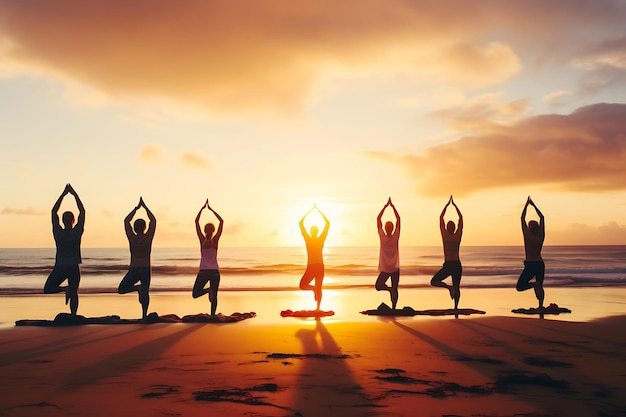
(140, 236)
(451, 233)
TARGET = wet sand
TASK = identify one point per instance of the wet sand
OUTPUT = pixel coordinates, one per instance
(496, 365)
(477, 366)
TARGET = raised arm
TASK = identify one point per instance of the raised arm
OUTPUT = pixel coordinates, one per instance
(55, 208)
(326, 224)
(127, 227)
(442, 222)
(302, 228)
(79, 204)
(523, 218)
(539, 213)
(220, 227)
(199, 232)
(395, 212)
(379, 219)
(152, 226)
(459, 229)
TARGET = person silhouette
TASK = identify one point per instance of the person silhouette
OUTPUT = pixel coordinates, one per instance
(140, 242)
(68, 258)
(209, 270)
(451, 236)
(315, 258)
(534, 235)
(388, 259)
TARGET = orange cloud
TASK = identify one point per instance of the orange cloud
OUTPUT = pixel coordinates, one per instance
(247, 54)
(193, 160)
(483, 113)
(583, 151)
(151, 153)
(25, 211)
(610, 233)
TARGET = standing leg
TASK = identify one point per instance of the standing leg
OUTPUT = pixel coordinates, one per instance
(215, 284)
(72, 290)
(539, 292)
(319, 278)
(144, 292)
(395, 280)
(456, 283)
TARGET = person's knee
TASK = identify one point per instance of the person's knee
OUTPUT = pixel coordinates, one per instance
(520, 287)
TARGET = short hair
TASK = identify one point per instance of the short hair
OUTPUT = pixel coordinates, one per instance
(68, 218)
(139, 225)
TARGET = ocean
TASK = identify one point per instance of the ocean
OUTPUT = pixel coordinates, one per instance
(24, 271)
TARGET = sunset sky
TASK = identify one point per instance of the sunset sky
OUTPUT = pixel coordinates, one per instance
(266, 107)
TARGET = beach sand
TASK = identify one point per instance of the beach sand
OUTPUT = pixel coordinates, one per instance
(472, 366)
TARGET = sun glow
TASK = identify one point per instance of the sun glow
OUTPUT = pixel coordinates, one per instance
(335, 211)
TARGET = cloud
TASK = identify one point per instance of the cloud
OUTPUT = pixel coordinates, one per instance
(584, 151)
(557, 99)
(604, 64)
(610, 233)
(233, 228)
(107, 213)
(151, 153)
(482, 113)
(24, 211)
(607, 53)
(249, 55)
(194, 161)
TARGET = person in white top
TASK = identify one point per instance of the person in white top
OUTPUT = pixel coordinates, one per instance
(389, 259)
(140, 242)
(451, 236)
(209, 269)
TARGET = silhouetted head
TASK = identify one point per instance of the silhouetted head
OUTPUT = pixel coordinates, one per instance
(389, 228)
(314, 231)
(68, 219)
(209, 228)
(533, 226)
(450, 227)
(139, 226)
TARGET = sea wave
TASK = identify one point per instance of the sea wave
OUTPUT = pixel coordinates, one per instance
(298, 269)
(510, 283)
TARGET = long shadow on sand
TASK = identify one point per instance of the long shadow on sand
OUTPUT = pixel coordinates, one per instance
(325, 383)
(124, 362)
(73, 338)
